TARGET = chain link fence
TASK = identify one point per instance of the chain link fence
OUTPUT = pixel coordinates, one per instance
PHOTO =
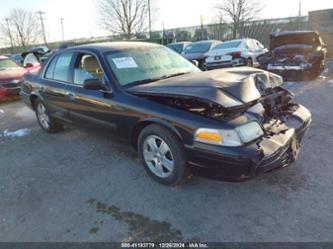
(259, 30)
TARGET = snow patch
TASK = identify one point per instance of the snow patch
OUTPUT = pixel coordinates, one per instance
(18, 133)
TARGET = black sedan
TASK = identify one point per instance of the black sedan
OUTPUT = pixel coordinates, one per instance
(226, 124)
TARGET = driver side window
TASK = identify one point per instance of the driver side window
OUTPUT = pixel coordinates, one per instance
(87, 67)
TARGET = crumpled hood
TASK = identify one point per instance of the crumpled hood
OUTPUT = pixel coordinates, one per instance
(298, 37)
(294, 49)
(231, 87)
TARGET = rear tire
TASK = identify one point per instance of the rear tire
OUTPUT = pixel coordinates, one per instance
(46, 122)
(163, 155)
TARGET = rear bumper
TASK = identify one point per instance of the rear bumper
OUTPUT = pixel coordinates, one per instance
(295, 71)
(240, 163)
(26, 99)
(234, 63)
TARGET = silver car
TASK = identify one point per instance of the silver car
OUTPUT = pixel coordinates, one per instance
(196, 52)
(241, 52)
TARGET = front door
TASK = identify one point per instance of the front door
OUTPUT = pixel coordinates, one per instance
(92, 109)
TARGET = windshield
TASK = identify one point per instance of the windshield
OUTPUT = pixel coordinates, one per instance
(147, 64)
(197, 48)
(7, 63)
(226, 45)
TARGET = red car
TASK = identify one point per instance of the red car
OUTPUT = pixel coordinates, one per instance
(10, 77)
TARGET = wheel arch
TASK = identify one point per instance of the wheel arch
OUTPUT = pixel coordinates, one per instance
(144, 123)
(33, 97)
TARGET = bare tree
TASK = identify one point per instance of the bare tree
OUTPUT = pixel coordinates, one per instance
(240, 11)
(126, 17)
(22, 28)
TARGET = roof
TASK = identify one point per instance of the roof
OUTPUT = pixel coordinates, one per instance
(115, 46)
(182, 42)
(290, 33)
(237, 40)
(205, 41)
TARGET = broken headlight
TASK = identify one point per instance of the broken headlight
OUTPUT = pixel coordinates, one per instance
(230, 137)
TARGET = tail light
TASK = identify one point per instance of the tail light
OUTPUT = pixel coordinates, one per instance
(236, 54)
(3, 91)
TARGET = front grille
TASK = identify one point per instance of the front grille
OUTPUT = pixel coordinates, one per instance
(11, 85)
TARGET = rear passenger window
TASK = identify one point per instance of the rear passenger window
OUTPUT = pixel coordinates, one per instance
(50, 69)
(59, 68)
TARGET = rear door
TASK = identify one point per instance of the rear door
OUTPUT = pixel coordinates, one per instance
(54, 88)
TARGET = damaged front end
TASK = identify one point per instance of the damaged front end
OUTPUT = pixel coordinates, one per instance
(255, 96)
(295, 55)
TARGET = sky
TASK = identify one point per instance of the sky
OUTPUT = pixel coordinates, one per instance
(80, 16)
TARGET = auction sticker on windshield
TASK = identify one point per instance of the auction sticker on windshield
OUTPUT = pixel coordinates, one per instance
(124, 62)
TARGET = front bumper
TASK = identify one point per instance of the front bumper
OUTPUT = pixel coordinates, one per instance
(240, 163)
(10, 89)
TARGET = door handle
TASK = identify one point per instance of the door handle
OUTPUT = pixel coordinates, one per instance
(70, 95)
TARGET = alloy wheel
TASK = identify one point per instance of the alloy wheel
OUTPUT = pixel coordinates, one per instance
(158, 156)
(43, 117)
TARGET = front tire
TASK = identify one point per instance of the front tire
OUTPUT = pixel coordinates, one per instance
(46, 122)
(163, 155)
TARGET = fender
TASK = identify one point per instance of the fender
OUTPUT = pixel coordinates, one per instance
(141, 124)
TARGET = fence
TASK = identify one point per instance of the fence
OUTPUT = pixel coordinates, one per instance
(259, 30)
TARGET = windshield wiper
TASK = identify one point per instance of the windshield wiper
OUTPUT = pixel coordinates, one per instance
(146, 81)
(173, 75)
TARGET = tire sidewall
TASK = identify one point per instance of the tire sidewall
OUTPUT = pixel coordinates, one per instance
(53, 125)
(37, 102)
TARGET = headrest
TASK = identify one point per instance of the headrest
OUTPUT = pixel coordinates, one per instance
(90, 64)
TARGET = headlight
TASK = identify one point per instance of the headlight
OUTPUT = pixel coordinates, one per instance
(231, 137)
(14, 81)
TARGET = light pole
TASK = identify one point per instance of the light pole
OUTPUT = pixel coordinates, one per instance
(9, 33)
(62, 28)
(149, 16)
(40, 13)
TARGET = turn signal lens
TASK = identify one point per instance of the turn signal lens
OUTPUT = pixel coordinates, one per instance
(208, 136)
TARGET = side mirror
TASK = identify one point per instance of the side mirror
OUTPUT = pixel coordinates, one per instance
(29, 65)
(93, 84)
